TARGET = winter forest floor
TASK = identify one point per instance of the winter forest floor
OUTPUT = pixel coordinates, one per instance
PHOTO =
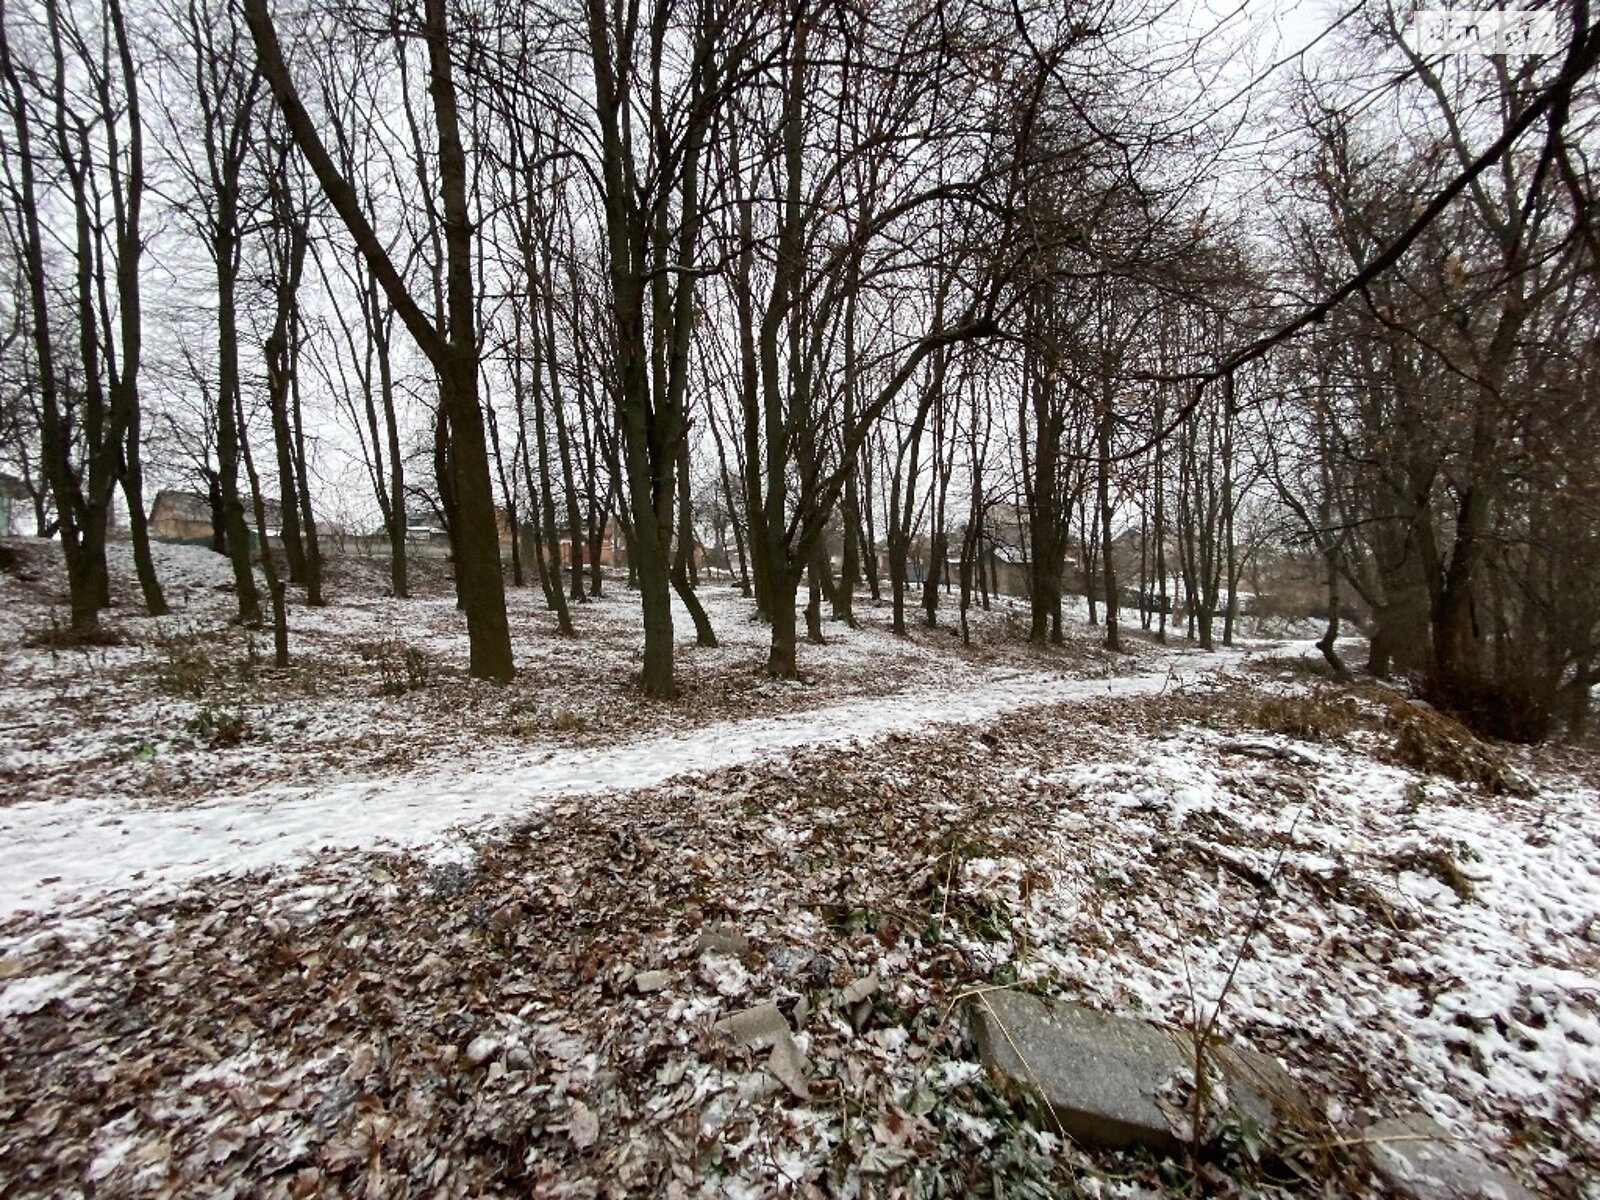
(317, 931)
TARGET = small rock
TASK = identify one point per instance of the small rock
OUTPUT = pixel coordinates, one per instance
(1419, 1160)
(519, 1058)
(858, 991)
(721, 938)
(583, 1126)
(788, 1066)
(481, 1049)
(860, 1015)
(790, 962)
(646, 982)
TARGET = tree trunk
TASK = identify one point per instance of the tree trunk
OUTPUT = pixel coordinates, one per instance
(229, 435)
(705, 636)
(869, 538)
(452, 352)
(550, 534)
(275, 585)
(781, 662)
(1107, 544)
(483, 585)
(155, 602)
(814, 596)
(308, 521)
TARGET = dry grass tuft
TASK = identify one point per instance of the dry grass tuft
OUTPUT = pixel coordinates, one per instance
(1425, 739)
(1440, 864)
(56, 636)
(1319, 717)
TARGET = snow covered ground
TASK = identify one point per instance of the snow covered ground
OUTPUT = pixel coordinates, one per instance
(63, 852)
(283, 969)
(108, 779)
(1406, 941)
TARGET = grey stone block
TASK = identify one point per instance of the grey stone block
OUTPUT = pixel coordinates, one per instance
(719, 937)
(1419, 1159)
(764, 1027)
(1097, 1076)
(1112, 1081)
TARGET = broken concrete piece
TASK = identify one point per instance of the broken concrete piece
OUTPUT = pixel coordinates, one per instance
(858, 991)
(789, 1066)
(756, 1027)
(719, 937)
(1097, 1076)
(1418, 1159)
(646, 982)
(764, 1026)
(1108, 1080)
(1259, 1085)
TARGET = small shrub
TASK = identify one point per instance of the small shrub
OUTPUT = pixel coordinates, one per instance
(1293, 666)
(184, 667)
(568, 721)
(250, 665)
(416, 665)
(401, 668)
(1314, 718)
(1426, 739)
(57, 636)
(217, 728)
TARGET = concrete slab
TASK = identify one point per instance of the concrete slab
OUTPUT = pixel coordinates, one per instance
(1096, 1076)
(1117, 1081)
(1418, 1159)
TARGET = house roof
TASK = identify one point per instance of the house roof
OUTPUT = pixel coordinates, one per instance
(177, 505)
(174, 504)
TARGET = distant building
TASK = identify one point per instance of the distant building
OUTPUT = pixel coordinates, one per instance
(612, 552)
(1008, 571)
(423, 526)
(179, 516)
(426, 525)
(12, 492)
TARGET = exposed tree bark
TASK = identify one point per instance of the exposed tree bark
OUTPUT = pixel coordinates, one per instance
(683, 557)
(453, 351)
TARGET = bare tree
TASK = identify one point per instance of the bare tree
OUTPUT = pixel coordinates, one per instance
(451, 349)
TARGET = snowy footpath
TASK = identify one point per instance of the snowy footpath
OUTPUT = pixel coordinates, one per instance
(62, 854)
